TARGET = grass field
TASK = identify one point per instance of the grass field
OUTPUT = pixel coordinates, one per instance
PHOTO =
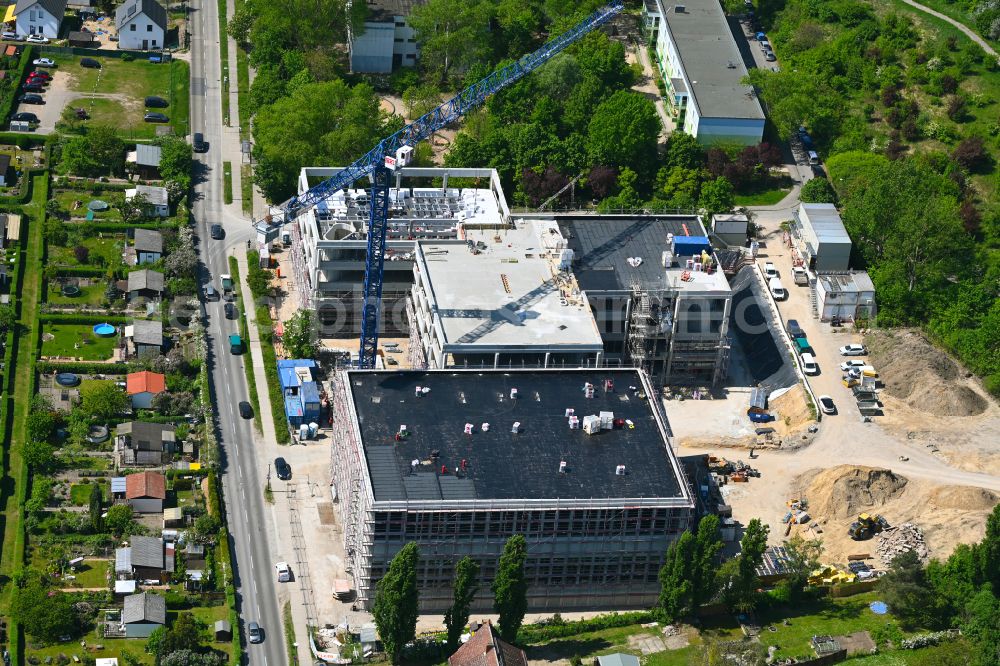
(78, 341)
(104, 252)
(75, 203)
(93, 573)
(227, 182)
(112, 648)
(134, 80)
(246, 188)
(79, 493)
(91, 294)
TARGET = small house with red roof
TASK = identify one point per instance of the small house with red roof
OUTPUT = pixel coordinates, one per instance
(145, 491)
(143, 386)
(485, 648)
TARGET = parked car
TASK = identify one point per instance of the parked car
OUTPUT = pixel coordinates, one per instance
(800, 276)
(777, 289)
(254, 633)
(156, 118)
(283, 469)
(36, 80)
(198, 143)
(284, 571)
(33, 87)
(230, 311)
(809, 365)
(25, 117)
(826, 404)
(90, 62)
(42, 73)
(769, 270)
(155, 102)
(43, 62)
(769, 56)
(32, 98)
(853, 363)
(853, 350)
(794, 329)
(216, 232)
(38, 39)
(12, 36)
(246, 411)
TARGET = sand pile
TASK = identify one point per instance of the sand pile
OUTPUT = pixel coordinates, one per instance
(915, 371)
(965, 498)
(791, 410)
(847, 490)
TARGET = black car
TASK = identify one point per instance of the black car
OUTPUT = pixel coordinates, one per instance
(282, 468)
(25, 116)
(33, 87)
(32, 98)
(230, 311)
(155, 102)
(153, 117)
(246, 411)
(216, 231)
(90, 62)
(199, 143)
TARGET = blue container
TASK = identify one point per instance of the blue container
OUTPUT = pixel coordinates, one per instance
(687, 246)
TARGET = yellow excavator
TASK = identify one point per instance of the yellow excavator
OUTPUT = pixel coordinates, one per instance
(866, 525)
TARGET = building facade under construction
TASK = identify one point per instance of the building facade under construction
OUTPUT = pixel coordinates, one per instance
(578, 461)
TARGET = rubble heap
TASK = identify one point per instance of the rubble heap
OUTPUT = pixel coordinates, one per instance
(898, 540)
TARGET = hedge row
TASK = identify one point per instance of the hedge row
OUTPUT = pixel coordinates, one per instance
(83, 319)
(266, 334)
(91, 185)
(9, 102)
(75, 271)
(25, 194)
(557, 628)
(83, 368)
(224, 559)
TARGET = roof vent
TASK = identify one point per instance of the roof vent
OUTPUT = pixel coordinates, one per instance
(513, 394)
(620, 470)
(562, 466)
(516, 428)
(486, 427)
(468, 428)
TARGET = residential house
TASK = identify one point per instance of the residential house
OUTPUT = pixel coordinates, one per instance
(142, 444)
(141, 24)
(143, 386)
(145, 491)
(388, 41)
(144, 284)
(157, 202)
(142, 559)
(486, 648)
(4, 169)
(146, 159)
(146, 244)
(39, 17)
(144, 337)
(143, 614)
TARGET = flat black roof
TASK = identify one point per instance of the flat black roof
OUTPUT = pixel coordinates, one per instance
(499, 463)
(601, 247)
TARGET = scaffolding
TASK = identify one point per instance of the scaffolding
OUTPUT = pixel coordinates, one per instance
(299, 270)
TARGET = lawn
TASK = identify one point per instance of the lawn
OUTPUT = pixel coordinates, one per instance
(103, 252)
(77, 341)
(92, 294)
(136, 80)
(92, 573)
(762, 198)
(112, 648)
(79, 493)
(75, 203)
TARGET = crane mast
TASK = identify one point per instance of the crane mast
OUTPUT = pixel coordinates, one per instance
(396, 150)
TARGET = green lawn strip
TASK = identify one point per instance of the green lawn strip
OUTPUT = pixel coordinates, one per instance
(113, 647)
(12, 552)
(79, 493)
(180, 96)
(77, 341)
(224, 60)
(227, 182)
(91, 294)
(234, 270)
(763, 198)
(243, 90)
(246, 185)
(950, 652)
(286, 620)
(265, 332)
(113, 112)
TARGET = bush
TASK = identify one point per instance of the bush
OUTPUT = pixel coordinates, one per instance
(82, 368)
(557, 628)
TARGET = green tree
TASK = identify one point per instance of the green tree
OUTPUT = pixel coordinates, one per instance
(396, 601)
(8, 317)
(705, 562)
(319, 123)
(100, 152)
(623, 132)
(45, 614)
(988, 552)
(40, 456)
(176, 160)
(300, 339)
(675, 578)
(41, 423)
(741, 574)
(802, 559)
(119, 519)
(683, 151)
(982, 626)
(420, 100)
(134, 210)
(103, 399)
(454, 35)
(510, 587)
(818, 190)
(717, 196)
(96, 498)
(465, 588)
(206, 527)
(906, 590)
(242, 20)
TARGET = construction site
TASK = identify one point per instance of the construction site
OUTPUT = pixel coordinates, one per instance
(580, 462)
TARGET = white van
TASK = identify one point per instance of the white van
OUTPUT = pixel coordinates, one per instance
(809, 364)
(777, 290)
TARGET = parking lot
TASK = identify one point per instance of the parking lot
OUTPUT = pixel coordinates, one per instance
(113, 94)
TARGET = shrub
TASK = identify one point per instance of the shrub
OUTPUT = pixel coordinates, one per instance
(82, 254)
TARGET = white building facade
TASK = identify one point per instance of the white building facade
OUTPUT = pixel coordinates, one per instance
(39, 17)
(141, 24)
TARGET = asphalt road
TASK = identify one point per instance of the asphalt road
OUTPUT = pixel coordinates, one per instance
(244, 471)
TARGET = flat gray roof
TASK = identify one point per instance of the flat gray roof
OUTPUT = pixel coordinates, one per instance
(846, 283)
(711, 60)
(823, 222)
(505, 294)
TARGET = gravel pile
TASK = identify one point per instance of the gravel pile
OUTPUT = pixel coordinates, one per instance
(898, 540)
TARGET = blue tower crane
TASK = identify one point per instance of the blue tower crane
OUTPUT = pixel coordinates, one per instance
(395, 151)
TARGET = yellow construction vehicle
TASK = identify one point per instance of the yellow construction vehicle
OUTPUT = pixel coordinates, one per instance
(867, 525)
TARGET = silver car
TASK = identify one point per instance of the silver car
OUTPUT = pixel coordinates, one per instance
(254, 633)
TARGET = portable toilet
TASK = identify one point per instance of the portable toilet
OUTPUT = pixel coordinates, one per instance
(303, 432)
(313, 429)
